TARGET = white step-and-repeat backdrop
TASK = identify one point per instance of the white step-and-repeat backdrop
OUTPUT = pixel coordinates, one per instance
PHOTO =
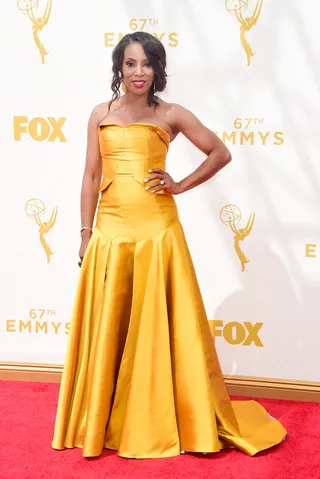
(249, 69)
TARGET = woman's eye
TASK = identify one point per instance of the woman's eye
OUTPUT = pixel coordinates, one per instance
(131, 64)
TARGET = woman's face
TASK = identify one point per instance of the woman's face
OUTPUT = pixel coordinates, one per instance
(136, 69)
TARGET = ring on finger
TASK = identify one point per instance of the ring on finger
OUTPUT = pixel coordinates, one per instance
(161, 182)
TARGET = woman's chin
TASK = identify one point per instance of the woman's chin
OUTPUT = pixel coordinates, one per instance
(138, 91)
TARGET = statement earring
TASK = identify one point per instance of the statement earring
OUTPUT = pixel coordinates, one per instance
(124, 87)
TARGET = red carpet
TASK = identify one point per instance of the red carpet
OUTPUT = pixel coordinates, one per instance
(27, 412)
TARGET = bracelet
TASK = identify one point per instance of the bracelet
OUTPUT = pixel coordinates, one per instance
(85, 228)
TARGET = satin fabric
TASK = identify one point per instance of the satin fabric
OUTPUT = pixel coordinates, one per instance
(141, 374)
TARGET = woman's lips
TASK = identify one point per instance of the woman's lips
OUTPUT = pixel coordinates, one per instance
(139, 83)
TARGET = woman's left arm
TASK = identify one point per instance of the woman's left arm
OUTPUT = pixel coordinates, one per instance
(208, 142)
(218, 155)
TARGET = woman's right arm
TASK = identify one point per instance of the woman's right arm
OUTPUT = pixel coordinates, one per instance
(91, 178)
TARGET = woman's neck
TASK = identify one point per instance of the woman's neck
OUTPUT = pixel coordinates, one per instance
(135, 102)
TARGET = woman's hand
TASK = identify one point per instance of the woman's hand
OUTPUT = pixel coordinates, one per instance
(164, 182)
(85, 237)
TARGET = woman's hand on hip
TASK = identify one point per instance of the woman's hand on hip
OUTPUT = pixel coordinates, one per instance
(161, 180)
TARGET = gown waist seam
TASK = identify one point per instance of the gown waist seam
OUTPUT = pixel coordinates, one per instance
(166, 228)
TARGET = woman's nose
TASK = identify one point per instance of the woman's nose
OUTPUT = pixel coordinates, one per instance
(139, 70)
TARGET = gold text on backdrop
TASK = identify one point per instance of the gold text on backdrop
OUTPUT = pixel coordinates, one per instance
(142, 24)
(236, 333)
(40, 129)
(28, 7)
(245, 133)
(311, 250)
(229, 214)
(237, 7)
(39, 321)
(34, 208)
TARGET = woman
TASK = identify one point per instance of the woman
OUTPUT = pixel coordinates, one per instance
(141, 374)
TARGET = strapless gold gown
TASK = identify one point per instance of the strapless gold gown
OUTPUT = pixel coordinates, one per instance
(141, 374)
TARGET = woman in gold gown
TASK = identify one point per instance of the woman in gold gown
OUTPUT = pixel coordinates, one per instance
(141, 374)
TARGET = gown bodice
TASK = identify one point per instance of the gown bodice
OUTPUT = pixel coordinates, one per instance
(129, 152)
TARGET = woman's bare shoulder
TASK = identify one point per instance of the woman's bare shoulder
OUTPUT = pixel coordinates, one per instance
(174, 114)
(172, 109)
(165, 105)
(99, 113)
